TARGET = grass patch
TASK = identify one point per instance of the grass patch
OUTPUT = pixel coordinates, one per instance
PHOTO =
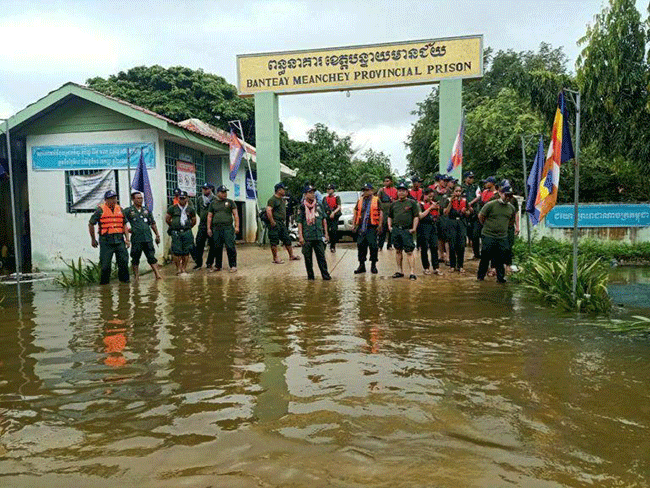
(80, 274)
(590, 249)
(551, 280)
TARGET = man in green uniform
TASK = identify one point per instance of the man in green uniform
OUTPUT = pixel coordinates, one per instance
(222, 214)
(180, 218)
(469, 192)
(141, 224)
(113, 238)
(495, 217)
(202, 204)
(276, 212)
(403, 219)
(513, 229)
(387, 195)
(313, 233)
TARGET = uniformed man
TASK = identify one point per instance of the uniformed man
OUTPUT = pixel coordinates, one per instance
(416, 192)
(113, 238)
(513, 229)
(428, 230)
(367, 224)
(495, 216)
(313, 233)
(441, 195)
(203, 204)
(141, 224)
(403, 218)
(332, 204)
(387, 195)
(222, 216)
(180, 218)
(276, 212)
(471, 194)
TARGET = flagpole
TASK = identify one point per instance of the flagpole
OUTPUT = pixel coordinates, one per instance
(523, 157)
(576, 191)
(128, 171)
(17, 253)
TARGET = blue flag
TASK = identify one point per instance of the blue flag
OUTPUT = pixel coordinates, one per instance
(533, 182)
(141, 182)
(3, 171)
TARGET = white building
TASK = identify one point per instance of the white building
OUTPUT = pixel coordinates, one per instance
(71, 145)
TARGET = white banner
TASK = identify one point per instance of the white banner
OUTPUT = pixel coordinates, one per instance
(88, 190)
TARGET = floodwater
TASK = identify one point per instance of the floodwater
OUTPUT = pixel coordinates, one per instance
(262, 379)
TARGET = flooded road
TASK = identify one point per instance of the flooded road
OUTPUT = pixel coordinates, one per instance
(261, 379)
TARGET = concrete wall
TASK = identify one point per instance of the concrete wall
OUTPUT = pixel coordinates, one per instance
(58, 234)
(625, 234)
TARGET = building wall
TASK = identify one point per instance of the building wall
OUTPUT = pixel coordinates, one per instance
(57, 234)
(625, 234)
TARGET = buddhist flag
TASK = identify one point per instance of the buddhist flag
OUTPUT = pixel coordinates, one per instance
(560, 151)
(236, 153)
(533, 181)
(141, 182)
(456, 158)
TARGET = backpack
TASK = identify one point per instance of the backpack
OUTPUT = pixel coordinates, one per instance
(263, 217)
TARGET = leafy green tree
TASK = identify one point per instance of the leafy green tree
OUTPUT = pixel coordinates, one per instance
(328, 158)
(612, 72)
(492, 135)
(181, 93)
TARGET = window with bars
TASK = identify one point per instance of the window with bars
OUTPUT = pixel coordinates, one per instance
(176, 152)
(68, 190)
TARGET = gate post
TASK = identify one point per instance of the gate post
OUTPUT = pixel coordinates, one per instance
(451, 101)
(267, 144)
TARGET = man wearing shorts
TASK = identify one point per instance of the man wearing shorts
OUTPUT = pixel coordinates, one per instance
(141, 223)
(276, 211)
(180, 218)
(403, 219)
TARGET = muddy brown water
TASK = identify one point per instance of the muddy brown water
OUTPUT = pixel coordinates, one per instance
(261, 379)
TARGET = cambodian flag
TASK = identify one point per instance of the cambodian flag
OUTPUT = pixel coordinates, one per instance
(236, 153)
(560, 151)
(456, 158)
(141, 182)
(533, 182)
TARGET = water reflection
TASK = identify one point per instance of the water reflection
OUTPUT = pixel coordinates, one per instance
(354, 382)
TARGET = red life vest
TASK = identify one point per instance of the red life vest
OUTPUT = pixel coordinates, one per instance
(374, 211)
(416, 194)
(487, 195)
(435, 212)
(459, 205)
(331, 201)
(111, 221)
(391, 191)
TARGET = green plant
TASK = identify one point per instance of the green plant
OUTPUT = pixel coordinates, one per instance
(80, 274)
(639, 326)
(551, 279)
(588, 248)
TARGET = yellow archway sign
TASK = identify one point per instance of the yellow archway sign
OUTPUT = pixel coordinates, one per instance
(359, 67)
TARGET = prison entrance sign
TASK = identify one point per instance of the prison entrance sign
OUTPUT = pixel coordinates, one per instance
(266, 75)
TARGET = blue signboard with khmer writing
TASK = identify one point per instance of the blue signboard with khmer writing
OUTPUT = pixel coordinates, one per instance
(92, 156)
(605, 215)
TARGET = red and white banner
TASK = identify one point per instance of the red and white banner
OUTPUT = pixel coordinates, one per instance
(186, 177)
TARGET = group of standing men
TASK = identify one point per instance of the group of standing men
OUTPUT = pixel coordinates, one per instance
(438, 220)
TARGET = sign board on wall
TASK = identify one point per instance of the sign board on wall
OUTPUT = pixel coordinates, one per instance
(606, 215)
(357, 67)
(186, 177)
(250, 185)
(92, 156)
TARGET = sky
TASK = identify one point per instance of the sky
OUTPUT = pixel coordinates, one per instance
(49, 43)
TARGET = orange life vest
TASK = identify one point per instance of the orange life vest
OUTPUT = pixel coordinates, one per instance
(111, 221)
(331, 202)
(374, 211)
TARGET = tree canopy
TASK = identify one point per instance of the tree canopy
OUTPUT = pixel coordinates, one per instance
(181, 93)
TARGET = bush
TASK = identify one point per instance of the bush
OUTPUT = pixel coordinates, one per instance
(82, 275)
(552, 281)
(590, 249)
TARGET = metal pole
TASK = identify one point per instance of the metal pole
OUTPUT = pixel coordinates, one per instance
(576, 191)
(17, 252)
(128, 171)
(523, 157)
